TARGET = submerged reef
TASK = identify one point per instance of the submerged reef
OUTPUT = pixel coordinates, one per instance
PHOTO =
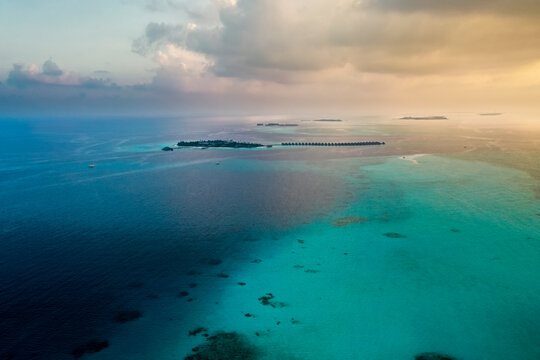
(90, 347)
(225, 346)
(198, 331)
(344, 221)
(135, 285)
(211, 261)
(267, 300)
(127, 316)
(394, 235)
(433, 356)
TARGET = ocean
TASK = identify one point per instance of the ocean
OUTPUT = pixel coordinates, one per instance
(427, 244)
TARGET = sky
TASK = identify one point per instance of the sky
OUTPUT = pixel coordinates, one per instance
(154, 57)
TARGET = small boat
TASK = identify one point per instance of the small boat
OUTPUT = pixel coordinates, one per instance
(91, 165)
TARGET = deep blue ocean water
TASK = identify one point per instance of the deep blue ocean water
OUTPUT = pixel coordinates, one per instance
(78, 245)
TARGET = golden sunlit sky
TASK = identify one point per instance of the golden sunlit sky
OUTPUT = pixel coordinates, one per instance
(264, 56)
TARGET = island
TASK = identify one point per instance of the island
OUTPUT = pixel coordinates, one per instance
(219, 144)
(231, 144)
(278, 124)
(424, 118)
(329, 120)
(490, 114)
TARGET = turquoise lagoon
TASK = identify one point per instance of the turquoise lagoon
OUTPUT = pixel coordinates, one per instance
(431, 244)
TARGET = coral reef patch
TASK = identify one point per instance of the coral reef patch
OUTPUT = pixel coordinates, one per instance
(211, 261)
(198, 331)
(267, 300)
(349, 220)
(90, 347)
(127, 316)
(394, 235)
(433, 356)
(225, 346)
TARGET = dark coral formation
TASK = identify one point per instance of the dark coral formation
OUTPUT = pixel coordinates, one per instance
(257, 261)
(311, 271)
(433, 356)
(222, 275)
(211, 261)
(192, 285)
(454, 230)
(225, 346)
(241, 283)
(198, 331)
(90, 347)
(182, 294)
(344, 221)
(135, 285)
(266, 300)
(394, 235)
(127, 316)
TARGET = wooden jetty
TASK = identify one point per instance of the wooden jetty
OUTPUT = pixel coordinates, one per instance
(357, 143)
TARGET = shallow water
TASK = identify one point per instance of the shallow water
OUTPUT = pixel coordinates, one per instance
(447, 260)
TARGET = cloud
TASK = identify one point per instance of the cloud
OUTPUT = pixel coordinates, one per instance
(274, 39)
(293, 54)
(51, 69)
(50, 74)
(157, 35)
(499, 7)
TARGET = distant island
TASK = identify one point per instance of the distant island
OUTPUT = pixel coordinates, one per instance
(329, 120)
(275, 124)
(204, 144)
(424, 118)
(490, 114)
